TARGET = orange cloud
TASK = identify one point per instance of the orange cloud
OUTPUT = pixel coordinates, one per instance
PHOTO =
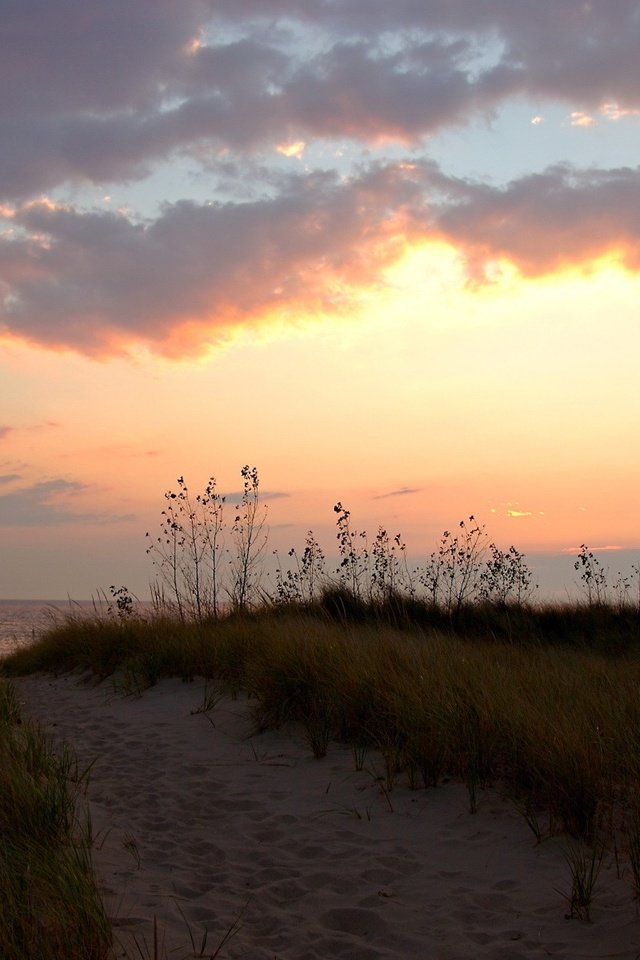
(579, 119)
(611, 111)
(100, 282)
(547, 222)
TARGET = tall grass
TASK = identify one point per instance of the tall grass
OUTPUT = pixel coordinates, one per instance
(49, 904)
(557, 726)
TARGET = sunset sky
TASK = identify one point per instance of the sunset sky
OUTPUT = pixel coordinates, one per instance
(388, 253)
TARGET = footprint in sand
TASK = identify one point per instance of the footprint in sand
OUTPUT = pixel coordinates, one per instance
(353, 920)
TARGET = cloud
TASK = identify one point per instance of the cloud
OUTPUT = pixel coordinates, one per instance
(514, 511)
(295, 149)
(580, 119)
(612, 111)
(607, 548)
(9, 477)
(99, 282)
(93, 281)
(235, 496)
(103, 94)
(46, 504)
(545, 222)
(401, 492)
(97, 93)
(5, 431)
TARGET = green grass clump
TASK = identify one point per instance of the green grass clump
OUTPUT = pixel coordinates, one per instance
(49, 904)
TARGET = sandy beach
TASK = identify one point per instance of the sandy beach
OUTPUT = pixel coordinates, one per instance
(203, 824)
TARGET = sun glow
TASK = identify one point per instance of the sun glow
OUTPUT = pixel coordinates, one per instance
(295, 149)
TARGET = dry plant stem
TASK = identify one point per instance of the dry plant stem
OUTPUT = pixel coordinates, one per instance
(525, 805)
(382, 784)
(584, 866)
(318, 734)
(211, 697)
(359, 751)
(250, 539)
(130, 844)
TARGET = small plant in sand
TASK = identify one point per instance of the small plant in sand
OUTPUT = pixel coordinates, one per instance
(123, 600)
(506, 578)
(359, 753)
(130, 845)
(584, 866)
(353, 570)
(452, 575)
(211, 697)
(200, 947)
(250, 540)
(304, 583)
(626, 589)
(392, 746)
(593, 577)
(318, 730)
(388, 576)
(382, 784)
(525, 804)
(187, 552)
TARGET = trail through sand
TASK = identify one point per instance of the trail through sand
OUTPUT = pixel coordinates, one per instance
(203, 825)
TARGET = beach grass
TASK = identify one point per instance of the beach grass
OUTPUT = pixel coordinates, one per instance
(49, 902)
(549, 717)
(555, 723)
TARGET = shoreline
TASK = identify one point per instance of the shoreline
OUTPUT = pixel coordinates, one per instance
(201, 826)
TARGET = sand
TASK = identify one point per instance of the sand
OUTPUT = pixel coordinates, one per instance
(205, 826)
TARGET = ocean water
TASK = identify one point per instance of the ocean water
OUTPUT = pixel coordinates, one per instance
(22, 621)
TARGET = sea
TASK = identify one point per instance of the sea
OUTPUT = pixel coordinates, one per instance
(23, 621)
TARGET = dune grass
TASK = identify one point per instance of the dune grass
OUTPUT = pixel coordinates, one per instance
(49, 903)
(556, 725)
(553, 721)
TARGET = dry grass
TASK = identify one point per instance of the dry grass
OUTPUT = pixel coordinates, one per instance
(49, 904)
(555, 724)
(556, 727)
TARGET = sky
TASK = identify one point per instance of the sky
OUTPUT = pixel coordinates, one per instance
(389, 254)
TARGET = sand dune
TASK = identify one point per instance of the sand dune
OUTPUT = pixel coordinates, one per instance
(204, 826)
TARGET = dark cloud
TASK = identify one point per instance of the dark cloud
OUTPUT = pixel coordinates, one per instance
(4, 432)
(46, 504)
(84, 56)
(98, 282)
(100, 92)
(9, 477)
(351, 92)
